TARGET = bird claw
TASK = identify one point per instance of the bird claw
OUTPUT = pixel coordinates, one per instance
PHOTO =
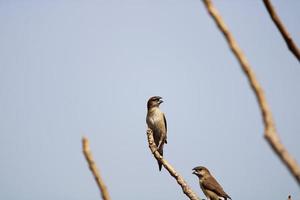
(155, 149)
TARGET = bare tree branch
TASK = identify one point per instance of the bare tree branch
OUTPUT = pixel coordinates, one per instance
(185, 188)
(286, 36)
(93, 167)
(270, 131)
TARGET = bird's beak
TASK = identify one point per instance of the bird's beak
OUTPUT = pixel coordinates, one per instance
(160, 101)
(195, 172)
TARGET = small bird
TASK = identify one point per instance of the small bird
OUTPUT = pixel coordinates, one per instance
(156, 121)
(210, 187)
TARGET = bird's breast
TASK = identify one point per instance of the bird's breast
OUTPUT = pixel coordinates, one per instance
(155, 119)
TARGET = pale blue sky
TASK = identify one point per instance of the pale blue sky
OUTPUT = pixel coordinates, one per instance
(73, 68)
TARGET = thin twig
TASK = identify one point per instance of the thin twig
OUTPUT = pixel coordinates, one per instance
(284, 33)
(270, 131)
(185, 188)
(93, 167)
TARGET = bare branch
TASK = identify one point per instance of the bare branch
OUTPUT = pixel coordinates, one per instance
(284, 33)
(92, 165)
(185, 188)
(270, 131)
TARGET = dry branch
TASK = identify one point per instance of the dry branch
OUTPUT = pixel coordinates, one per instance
(285, 34)
(185, 188)
(93, 167)
(270, 131)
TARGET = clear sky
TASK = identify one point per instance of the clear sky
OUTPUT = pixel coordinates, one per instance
(74, 68)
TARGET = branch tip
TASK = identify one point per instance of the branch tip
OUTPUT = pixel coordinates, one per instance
(95, 171)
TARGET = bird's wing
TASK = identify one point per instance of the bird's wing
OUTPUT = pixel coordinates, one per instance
(165, 122)
(165, 127)
(212, 185)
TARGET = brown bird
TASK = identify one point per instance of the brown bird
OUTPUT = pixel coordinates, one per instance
(210, 187)
(156, 121)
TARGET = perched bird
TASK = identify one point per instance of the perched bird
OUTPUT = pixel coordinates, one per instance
(156, 121)
(210, 187)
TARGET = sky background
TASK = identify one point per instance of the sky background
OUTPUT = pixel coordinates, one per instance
(74, 68)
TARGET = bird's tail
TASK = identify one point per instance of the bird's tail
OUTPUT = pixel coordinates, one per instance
(161, 152)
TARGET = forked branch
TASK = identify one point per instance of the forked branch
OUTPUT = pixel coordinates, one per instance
(285, 34)
(93, 167)
(185, 188)
(270, 131)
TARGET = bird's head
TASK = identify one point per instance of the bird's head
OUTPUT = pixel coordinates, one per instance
(201, 171)
(154, 102)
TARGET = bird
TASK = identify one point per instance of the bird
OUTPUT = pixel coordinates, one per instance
(209, 185)
(157, 122)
